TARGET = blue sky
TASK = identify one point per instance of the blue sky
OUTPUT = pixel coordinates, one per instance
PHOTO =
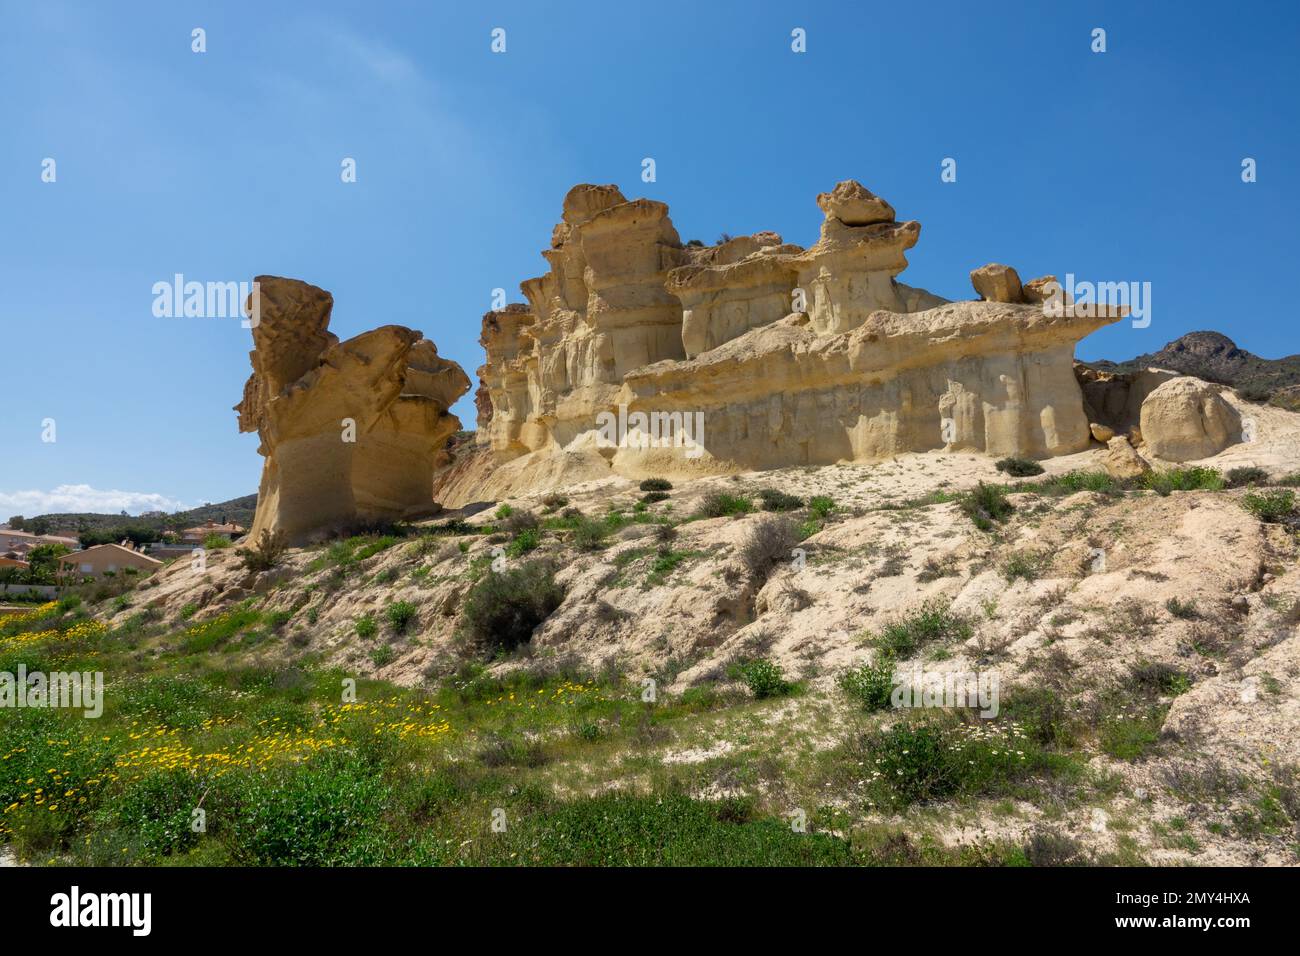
(1124, 165)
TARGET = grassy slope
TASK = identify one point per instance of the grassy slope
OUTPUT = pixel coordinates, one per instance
(544, 767)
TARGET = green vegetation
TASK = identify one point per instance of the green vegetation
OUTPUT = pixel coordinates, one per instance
(400, 615)
(719, 504)
(656, 484)
(934, 622)
(764, 678)
(774, 500)
(1183, 479)
(870, 685)
(1019, 467)
(502, 610)
(1246, 477)
(366, 627)
(986, 505)
(1272, 507)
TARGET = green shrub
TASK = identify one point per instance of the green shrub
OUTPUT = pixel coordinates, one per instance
(871, 685)
(821, 506)
(266, 553)
(650, 497)
(1019, 467)
(656, 484)
(916, 762)
(366, 627)
(764, 678)
(524, 542)
(1272, 507)
(1196, 478)
(502, 610)
(985, 505)
(1246, 477)
(505, 511)
(1027, 565)
(188, 611)
(774, 500)
(589, 534)
(400, 615)
(1073, 482)
(935, 621)
(381, 655)
(1186, 610)
(719, 504)
(215, 542)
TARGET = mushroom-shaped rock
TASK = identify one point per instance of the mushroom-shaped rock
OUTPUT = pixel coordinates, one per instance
(1186, 419)
(997, 283)
(350, 430)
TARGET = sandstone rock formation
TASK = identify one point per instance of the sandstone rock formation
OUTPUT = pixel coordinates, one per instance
(349, 430)
(1121, 459)
(1114, 399)
(756, 353)
(1185, 419)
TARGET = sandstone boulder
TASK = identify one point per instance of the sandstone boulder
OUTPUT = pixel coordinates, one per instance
(1186, 419)
(350, 430)
(1122, 461)
(997, 283)
(1103, 433)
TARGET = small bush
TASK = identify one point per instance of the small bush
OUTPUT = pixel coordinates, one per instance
(524, 542)
(1271, 507)
(502, 610)
(1196, 478)
(266, 554)
(934, 621)
(1247, 477)
(366, 626)
(381, 655)
(985, 505)
(589, 534)
(1185, 610)
(774, 500)
(764, 678)
(1019, 467)
(505, 511)
(821, 506)
(871, 685)
(1047, 847)
(771, 539)
(656, 484)
(215, 542)
(554, 503)
(1027, 565)
(650, 497)
(400, 614)
(719, 504)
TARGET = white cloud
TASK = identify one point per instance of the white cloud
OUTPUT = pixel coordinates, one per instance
(71, 498)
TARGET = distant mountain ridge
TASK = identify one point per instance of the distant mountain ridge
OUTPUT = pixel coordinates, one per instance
(1214, 357)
